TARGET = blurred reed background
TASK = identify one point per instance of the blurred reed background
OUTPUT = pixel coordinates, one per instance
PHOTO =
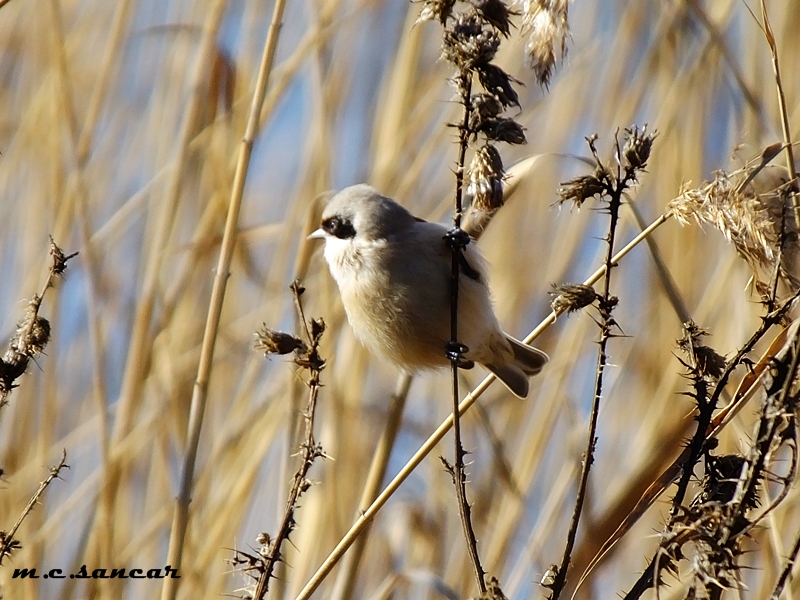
(119, 131)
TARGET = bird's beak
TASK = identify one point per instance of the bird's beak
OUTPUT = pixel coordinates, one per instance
(319, 234)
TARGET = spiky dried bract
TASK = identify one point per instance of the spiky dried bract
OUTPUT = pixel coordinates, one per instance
(30, 339)
(742, 218)
(705, 534)
(468, 43)
(59, 258)
(721, 480)
(504, 130)
(547, 26)
(703, 360)
(270, 341)
(32, 334)
(436, 10)
(499, 83)
(485, 179)
(581, 188)
(484, 108)
(496, 13)
(570, 297)
(636, 150)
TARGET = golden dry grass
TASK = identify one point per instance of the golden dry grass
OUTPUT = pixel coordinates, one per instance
(119, 135)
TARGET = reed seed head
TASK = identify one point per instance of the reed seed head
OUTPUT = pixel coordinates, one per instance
(547, 26)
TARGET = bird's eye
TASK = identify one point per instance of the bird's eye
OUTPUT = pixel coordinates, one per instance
(339, 227)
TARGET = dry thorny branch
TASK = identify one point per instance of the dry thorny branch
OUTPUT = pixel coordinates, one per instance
(719, 513)
(8, 543)
(30, 339)
(260, 566)
(609, 183)
(471, 38)
(33, 331)
(752, 208)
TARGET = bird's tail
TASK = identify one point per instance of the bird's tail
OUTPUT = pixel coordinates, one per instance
(531, 360)
(528, 361)
(513, 378)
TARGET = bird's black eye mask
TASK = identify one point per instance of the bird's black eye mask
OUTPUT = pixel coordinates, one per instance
(339, 227)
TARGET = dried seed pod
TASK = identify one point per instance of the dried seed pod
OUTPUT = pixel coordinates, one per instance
(485, 108)
(570, 297)
(504, 130)
(270, 341)
(637, 147)
(438, 10)
(496, 13)
(581, 188)
(498, 83)
(705, 361)
(485, 179)
(467, 43)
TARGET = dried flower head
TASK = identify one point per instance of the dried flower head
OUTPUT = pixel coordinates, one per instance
(485, 108)
(547, 26)
(276, 342)
(59, 258)
(496, 13)
(436, 10)
(570, 297)
(467, 43)
(581, 188)
(485, 179)
(32, 334)
(721, 480)
(504, 130)
(498, 83)
(638, 144)
(703, 360)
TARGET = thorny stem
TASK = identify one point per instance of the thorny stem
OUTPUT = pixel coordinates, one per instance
(769, 424)
(791, 560)
(7, 540)
(700, 439)
(615, 189)
(20, 351)
(701, 434)
(309, 451)
(457, 239)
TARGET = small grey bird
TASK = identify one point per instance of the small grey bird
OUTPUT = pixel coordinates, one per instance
(394, 275)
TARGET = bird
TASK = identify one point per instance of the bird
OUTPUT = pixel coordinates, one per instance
(394, 274)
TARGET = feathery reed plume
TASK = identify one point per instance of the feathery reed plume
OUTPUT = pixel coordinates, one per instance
(751, 207)
(547, 26)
